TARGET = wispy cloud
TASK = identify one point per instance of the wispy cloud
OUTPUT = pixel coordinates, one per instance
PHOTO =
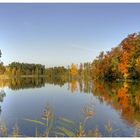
(85, 48)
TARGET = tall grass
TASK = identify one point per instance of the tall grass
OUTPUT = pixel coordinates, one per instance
(66, 127)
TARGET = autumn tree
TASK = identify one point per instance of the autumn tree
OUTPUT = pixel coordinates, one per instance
(127, 49)
(74, 70)
(122, 62)
(130, 55)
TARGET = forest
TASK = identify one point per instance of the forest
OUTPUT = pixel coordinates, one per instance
(120, 63)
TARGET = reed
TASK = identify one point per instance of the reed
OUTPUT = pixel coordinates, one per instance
(66, 127)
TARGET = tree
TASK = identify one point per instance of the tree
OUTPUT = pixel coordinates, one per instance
(26, 69)
(81, 70)
(74, 70)
(122, 61)
(129, 59)
(2, 68)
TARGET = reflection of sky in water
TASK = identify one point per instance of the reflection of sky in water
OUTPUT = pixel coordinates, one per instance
(30, 103)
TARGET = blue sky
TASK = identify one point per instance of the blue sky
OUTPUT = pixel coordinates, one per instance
(60, 34)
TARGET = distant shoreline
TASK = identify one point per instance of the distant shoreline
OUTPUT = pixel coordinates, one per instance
(36, 76)
(20, 76)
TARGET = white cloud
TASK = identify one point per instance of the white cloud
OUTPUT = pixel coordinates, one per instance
(85, 48)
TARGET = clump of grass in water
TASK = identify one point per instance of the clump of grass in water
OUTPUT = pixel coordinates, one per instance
(64, 128)
(81, 132)
(108, 128)
(67, 127)
(94, 133)
(3, 129)
(137, 132)
(15, 132)
(48, 116)
(88, 111)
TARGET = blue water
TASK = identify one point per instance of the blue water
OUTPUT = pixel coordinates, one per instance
(30, 103)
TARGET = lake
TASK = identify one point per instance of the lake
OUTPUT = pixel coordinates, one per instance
(97, 105)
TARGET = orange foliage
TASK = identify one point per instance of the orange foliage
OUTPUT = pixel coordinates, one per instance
(74, 70)
(118, 98)
(73, 85)
(128, 48)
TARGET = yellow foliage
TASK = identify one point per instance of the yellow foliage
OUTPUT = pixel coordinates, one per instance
(74, 70)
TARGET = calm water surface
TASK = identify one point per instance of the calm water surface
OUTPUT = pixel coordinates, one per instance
(114, 102)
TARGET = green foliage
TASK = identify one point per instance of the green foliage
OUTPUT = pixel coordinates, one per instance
(55, 71)
(66, 120)
(35, 121)
(17, 69)
(67, 132)
(56, 75)
(48, 116)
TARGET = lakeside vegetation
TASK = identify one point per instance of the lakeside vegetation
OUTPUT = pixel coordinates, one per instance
(122, 62)
(66, 127)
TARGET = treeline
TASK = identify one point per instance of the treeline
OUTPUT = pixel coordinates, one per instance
(84, 71)
(16, 68)
(122, 62)
(54, 71)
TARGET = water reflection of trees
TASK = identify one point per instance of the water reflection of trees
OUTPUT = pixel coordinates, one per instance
(2, 95)
(123, 97)
(4, 82)
(83, 85)
(31, 82)
(21, 83)
(56, 80)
